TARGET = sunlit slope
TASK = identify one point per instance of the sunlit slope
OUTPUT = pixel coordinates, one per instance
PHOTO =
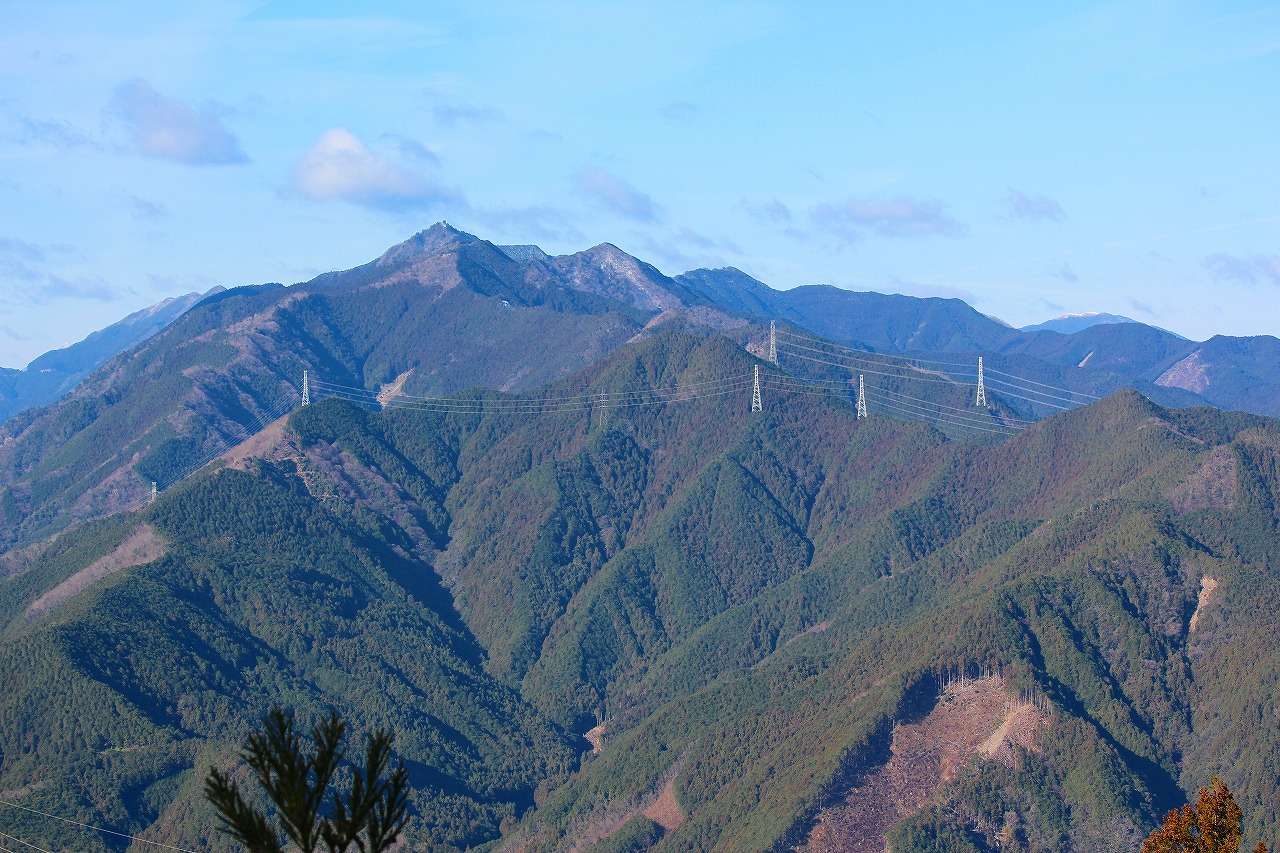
(443, 312)
(747, 600)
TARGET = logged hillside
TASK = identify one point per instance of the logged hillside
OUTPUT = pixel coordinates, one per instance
(754, 613)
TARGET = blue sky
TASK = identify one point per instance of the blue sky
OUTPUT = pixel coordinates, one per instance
(1030, 158)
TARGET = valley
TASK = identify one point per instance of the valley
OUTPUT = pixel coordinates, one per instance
(529, 520)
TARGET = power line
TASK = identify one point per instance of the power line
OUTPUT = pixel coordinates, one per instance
(539, 405)
(963, 420)
(965, 412)
(1073, 403)
(867, 369)
(912, 358)
(944, 419)
(903, 356)
(25, 843)
(1042, 384)
(89, 826)
(563, 398)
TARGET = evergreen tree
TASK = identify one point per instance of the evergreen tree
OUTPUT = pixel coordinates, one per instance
(370, 817)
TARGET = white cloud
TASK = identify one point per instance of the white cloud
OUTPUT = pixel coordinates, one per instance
(903, 216)
(169, 129)
(1034, 207)
(612, 193)
(340, 167)
(771, 212)
(1254, 269)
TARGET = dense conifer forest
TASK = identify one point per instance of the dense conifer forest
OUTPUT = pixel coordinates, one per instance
(750, 602)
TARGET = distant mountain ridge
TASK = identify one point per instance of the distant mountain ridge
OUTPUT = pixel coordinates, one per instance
(1069, 324)
(444, 311)
(1227, 372)
(55, 373)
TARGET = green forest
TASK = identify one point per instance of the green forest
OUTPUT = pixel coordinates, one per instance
(750, 603)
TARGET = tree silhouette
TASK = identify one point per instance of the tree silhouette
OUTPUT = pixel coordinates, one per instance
(370, 817)
(1212, 825)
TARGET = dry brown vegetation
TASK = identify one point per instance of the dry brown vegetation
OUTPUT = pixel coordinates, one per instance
(141, 546)
(972, 717)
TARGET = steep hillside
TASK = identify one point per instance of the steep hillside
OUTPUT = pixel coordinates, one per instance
(444, 311)
(740, 607)
(55, 373)
(438, 313)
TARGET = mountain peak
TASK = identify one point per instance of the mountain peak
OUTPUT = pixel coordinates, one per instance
(440, 237)
(609, 271)
(1070, 323)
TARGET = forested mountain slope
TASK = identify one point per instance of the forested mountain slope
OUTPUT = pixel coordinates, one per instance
(1231, 373)
(444, 311)
(440, 312)
(749, 601)
(53, 374)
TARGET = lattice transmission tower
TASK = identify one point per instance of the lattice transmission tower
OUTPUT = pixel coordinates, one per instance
(862, 398)
(982, 386)
(306, 389)
(757, 405)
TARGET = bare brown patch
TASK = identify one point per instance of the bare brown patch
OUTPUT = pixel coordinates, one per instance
(665, 811)
(19, 560)
(268, 443)
(596, 738)
(391, 390)
(1191, 373)
(141, 546)
(1207, 587)
(660, 806)
(1211, 486)
(972, 717)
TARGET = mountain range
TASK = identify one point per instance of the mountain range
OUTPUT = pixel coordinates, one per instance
(1069, 324)
(55, 373)
(530, 520)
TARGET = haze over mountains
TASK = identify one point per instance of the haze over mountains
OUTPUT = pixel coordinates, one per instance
(1069, 324)
(530, 502)
(55, 373)
(1224, 371)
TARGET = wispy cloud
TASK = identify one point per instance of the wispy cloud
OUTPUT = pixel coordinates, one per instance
(456, 114)
(411, 149)
(1064, 272)
(685, 248)
(13, 334)
(80, 287)
(903, 216)
(1254, 269)
(680, 111)
(170, 129)
(1033, 207)
(1141, 307)
(771, 212)
(616, 195)
(925, 290)
(340, 167)
(537, 222)
(142, 209)
(58, 134)
(20, 249)
(24, 269)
